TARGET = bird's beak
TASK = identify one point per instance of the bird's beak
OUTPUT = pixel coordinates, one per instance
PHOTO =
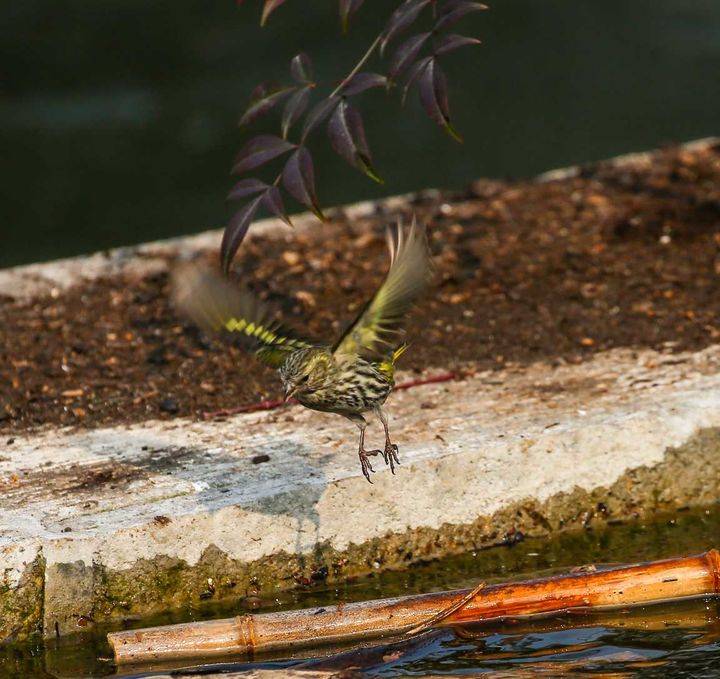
(290, 392)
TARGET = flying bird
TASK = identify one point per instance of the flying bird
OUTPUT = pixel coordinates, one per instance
(353, 376)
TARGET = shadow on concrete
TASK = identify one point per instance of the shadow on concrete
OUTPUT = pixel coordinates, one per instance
(264, 478)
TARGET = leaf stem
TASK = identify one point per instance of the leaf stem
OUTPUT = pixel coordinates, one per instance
(359, 65)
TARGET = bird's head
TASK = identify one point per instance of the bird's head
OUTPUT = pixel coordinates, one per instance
(304, 372)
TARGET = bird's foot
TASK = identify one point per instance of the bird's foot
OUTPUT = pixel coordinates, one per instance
(390, 455)
(365, 463)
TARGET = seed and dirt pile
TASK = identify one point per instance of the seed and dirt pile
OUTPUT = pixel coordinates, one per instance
(616, 256)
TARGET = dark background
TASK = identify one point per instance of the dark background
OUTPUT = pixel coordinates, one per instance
(118, 117)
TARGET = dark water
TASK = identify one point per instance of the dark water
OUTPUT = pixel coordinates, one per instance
(118, 118)
(669, 640)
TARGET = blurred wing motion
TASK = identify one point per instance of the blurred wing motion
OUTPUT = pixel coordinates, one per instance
(374, 333)
(215, 304)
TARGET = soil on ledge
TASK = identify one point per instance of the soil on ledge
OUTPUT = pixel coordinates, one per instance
(614, 257)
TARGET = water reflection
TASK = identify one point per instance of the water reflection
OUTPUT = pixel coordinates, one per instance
(574, 651)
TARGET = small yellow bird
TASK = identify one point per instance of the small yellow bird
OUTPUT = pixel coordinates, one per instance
(351, 377)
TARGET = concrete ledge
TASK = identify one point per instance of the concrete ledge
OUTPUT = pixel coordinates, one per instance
(105, 524)
(53, 278)
(100, 525)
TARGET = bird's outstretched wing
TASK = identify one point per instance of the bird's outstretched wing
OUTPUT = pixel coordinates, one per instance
(374, 333)
(215, 304)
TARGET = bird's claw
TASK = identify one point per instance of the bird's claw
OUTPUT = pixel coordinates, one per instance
(365, 463)
(390, 455)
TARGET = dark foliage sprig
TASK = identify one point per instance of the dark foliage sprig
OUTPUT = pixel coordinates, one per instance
(413, 63)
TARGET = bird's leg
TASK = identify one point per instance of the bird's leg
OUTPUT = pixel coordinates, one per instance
(390, 454)
(363, 454)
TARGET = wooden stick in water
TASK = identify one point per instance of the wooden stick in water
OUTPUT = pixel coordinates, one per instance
(248, 635)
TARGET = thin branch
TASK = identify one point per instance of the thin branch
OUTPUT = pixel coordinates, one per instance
(359, 65)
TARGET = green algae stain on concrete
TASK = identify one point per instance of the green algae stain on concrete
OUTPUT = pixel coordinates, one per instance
(21, 604)
(688, 476)
(163, 583)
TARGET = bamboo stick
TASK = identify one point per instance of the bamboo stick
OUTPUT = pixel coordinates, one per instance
(247, 635)
(686, 614)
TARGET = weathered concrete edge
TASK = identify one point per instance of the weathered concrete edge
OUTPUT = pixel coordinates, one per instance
(640, 158)
(34, 280)
(63, 596)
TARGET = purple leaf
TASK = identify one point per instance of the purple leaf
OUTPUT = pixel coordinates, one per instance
(452, 41)
(347, 136)
(361, 82)
(273, 201)
(317, 114)
(401, 18)
(246, 187)
(433, 95)
(413, 74)
(299, 179)
(406, 54)
(259, 151)
(294, 108)
(268, 8)
(262, 100)
(452, 12)
(347, 11)
(301, 68)
(235, 231)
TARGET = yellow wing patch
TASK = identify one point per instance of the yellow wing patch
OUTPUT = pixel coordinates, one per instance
(251, 330)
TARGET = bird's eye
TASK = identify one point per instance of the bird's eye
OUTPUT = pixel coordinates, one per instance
(304, 379)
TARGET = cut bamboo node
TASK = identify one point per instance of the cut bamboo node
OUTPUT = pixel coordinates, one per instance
(246, 633)
(713, 559)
